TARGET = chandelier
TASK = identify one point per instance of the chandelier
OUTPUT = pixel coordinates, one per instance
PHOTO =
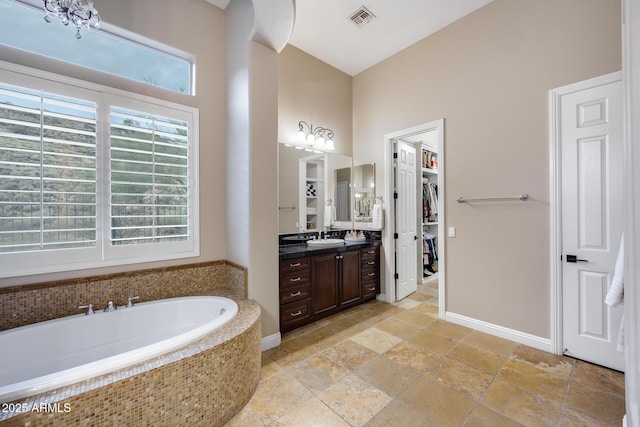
(79, 12)
(314, 138)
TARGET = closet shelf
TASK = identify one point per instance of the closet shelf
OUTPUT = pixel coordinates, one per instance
(430, 171)
(429, 223)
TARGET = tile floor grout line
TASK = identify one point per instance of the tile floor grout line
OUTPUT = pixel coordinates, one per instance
(376, 314)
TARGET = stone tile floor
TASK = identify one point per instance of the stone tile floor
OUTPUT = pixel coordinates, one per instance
(399, 365)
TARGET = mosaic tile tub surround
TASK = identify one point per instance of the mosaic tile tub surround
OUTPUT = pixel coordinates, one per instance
(204, 383)
(27, 304)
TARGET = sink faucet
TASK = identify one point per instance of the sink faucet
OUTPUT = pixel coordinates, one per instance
(110, 307)
(322, 233)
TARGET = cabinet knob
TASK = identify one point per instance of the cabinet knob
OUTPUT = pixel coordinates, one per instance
(372, 274)
(297, 264)
(371, 252)
(298, 313)
(371, 262)
(295, 294)
(297, 279)
(372, 289)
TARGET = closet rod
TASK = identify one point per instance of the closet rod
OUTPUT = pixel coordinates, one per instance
(522, 197)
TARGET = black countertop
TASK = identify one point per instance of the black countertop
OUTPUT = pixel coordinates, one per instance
(294, 251)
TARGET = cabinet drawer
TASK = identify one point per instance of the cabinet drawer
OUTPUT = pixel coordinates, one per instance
(294, 279)
(295, 293)
(370, 253)
(369, 289)
(294, 312)
(370, 274)
(295, 264)
(369, 263)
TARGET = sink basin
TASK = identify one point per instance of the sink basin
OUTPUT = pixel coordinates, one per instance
(325, 242)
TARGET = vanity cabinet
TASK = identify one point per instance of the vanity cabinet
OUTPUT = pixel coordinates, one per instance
(316, 286)
(335, 280)
(370, 271)
(349, 276)
(295, 293)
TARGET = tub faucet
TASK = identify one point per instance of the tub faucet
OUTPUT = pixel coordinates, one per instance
(130, 301)
(110, 307)
(89, 308)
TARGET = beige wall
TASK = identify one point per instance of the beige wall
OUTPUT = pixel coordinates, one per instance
(194, 26)
(315, 92)
(488, 75)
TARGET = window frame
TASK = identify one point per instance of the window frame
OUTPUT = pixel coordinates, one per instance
(103, 254)
(110, 30)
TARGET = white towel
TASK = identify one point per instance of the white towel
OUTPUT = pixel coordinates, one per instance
(377, 217)
(615, 295)
(329, 215)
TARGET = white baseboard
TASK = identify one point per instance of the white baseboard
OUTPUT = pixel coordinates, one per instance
(500, 331)
(383, 297)
(271, 341)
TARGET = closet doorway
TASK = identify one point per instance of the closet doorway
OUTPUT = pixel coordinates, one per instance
(414, 238)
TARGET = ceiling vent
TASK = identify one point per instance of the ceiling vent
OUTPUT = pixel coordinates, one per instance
(362, 17)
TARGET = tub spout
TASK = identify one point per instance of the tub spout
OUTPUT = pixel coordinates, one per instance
(130, 301)
(110, 307)
(89, 308)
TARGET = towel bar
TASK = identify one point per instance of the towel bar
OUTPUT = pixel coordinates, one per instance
(287, 207)
(522, 197)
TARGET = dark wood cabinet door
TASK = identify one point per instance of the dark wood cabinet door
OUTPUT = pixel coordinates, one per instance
(350, 274)
(324, 283)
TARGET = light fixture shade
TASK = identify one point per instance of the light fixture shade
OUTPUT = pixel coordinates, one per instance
(314, 138)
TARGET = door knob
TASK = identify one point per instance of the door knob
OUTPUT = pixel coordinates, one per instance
(573, 258)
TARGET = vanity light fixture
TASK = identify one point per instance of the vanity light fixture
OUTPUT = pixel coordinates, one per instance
(79, 12)
(313, 139)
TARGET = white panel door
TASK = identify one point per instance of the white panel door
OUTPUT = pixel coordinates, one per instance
(592, 220)
(406, 220)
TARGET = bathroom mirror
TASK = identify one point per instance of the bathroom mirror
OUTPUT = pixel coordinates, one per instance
(293, 202)
(339, 188)
(364, 191)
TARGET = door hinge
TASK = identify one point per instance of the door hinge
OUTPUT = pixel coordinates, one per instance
(395, 155)
(397, 276)
(395, 194)
(395, 235)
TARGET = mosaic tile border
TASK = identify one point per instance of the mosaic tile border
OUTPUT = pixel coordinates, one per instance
(27, 304)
